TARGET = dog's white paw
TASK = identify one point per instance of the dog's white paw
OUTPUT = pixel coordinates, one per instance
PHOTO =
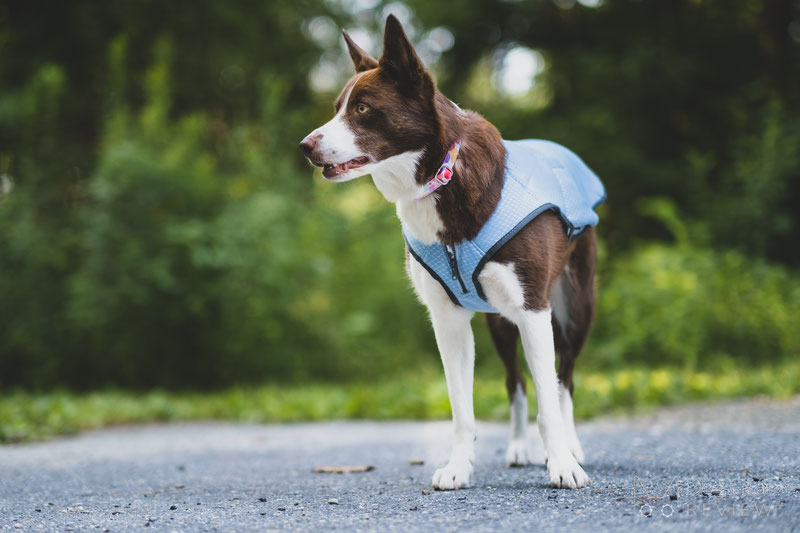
(517, 453)
(453, 476)
(566, 473)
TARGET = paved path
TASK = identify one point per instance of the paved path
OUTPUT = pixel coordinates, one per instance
(732, 467)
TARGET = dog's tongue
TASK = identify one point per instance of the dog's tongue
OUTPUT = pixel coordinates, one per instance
(334, 170)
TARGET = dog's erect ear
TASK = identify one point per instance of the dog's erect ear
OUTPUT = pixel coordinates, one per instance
(361, 60)
(400, 60)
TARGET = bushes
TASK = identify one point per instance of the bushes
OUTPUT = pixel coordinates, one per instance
(196, 261)
(164, 231)
(679, 305)
(423, 395)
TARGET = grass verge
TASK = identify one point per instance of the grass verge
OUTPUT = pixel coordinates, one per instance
(30, 416)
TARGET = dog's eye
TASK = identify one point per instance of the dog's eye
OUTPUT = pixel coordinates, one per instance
(362, 108)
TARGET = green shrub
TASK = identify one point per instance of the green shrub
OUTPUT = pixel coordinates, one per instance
(163, 230)
(678, 305)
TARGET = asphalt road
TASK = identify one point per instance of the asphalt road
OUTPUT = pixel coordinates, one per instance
(731, 467)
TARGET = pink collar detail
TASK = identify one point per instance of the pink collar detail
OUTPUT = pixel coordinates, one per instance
(445, 172)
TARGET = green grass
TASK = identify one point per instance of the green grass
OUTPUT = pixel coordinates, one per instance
(30, 416)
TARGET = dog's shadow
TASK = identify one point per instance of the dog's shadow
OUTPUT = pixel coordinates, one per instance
(534, 476)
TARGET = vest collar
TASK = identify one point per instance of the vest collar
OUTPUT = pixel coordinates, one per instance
(445, 172)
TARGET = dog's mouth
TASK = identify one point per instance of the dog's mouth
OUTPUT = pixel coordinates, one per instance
(330, 170)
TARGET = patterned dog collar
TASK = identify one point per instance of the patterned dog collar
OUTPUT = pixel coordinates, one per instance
(445, 172)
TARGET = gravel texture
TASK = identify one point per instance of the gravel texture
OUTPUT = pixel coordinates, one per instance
(729, 467)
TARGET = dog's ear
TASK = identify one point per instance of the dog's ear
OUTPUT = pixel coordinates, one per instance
(401, 61)
(361, 60)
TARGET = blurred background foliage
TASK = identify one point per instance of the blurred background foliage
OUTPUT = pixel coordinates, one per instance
(159, 228)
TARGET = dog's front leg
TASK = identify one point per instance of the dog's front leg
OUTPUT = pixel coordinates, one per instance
(537, 339)
(451, 326)
(457, 349)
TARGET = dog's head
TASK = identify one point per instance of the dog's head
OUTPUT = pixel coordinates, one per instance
(385, 110)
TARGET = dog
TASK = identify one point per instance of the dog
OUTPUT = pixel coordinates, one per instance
(500, 227)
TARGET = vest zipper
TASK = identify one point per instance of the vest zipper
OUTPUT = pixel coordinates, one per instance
(451, 255)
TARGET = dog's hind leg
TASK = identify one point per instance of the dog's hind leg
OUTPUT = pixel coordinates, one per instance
(505, 335)
(572, 299)
(560, 302)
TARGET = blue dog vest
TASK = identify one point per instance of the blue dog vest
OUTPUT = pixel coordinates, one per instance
(540, 175)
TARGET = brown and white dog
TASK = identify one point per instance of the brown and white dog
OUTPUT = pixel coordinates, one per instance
(392, 122)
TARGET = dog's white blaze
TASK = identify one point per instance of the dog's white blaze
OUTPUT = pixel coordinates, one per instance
(569, 423)
(451, 326)
(338, 142)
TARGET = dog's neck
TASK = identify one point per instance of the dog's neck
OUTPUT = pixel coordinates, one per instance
(457, 211)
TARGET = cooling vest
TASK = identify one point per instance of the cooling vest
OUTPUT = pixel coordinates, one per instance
(540, 176)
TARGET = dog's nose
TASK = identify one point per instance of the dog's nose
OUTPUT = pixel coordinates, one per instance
(308, 144)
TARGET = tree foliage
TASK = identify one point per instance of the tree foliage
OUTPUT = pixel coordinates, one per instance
(158, 226)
